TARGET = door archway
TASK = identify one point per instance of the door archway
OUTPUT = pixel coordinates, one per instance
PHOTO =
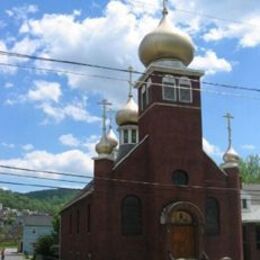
(184, 225)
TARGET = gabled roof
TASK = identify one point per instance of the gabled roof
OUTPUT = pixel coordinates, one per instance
(130, 152)
(88, 189)
(37, 220)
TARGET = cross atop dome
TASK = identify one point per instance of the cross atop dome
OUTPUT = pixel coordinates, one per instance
(165, 8)
(230, 156)
(104, 103)
(229, 117)
(130, 69)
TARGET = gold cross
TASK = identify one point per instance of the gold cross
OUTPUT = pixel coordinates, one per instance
(165, 9)
(130, 69)
(229, 117)
(104, 103)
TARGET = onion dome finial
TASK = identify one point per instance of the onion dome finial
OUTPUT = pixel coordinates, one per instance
(230, 156)
(166, 43)
(104, 147)
(129, 113)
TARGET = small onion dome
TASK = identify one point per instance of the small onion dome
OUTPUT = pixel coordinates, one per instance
(128, 114)
(111, 136)
(231, 156)
(166, 43)
(104, 146)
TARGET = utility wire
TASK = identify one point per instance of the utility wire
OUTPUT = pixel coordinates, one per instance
(208, 16)
(19, 55)
(143, 82)
(33, 57)
(38, 177)
(123, 181)
(34, 185)
(43, 171)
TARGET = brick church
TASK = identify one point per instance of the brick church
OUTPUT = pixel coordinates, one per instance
(156, 194)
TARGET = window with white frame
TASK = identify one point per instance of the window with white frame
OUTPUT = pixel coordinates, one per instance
(185, 90)
(169, 88)
(133, 136)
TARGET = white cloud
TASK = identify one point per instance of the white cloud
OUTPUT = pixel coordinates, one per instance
(110, 40)
(249, 147)
(24, 46)
(74, 111)
(4, 188)
(73, 161)
(5, 60)
(27, 147)
(247, 33)
(211, 63)
(69, 140)
(87, 144)
(211, 149)
(7, 145)
(21, 12)
(8, 85)
(45, 91)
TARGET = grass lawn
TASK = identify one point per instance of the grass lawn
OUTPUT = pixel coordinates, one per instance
(8, 244)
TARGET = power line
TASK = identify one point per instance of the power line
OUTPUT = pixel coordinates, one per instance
(33, 57)
(19, 55)
(208, 16)
(43, 171)
(34, 185)
(143, 82)
(38, 177)
(157, 184)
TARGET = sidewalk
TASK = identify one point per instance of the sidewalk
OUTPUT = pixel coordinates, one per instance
(10, 254)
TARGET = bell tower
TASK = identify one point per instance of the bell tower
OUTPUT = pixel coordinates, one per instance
(169, 95)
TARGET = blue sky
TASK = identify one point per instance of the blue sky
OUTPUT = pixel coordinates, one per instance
(51, 120)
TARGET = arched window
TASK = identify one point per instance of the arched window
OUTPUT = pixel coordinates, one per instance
(212, 216)
(185, 90)
(169, 88)
(180, 177)
(131, 216)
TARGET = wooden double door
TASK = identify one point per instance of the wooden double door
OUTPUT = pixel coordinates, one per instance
(182, 241)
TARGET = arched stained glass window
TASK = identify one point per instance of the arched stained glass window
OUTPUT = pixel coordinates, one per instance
(131, 216)
(169, 88)
(212, 216)
(185, 90)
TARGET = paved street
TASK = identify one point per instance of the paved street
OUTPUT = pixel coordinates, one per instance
(10, 254)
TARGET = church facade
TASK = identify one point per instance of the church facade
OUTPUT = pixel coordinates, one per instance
(159, 196)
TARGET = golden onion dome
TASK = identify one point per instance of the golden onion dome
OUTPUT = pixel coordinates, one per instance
(128, 114)
(231, 156)
(112, 138)
(104, 146)
(166, 43)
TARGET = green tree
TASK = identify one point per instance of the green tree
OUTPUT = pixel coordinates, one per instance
(250, 169)
(43, 245)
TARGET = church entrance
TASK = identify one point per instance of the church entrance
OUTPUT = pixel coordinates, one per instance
(183, 230)
(182, 235)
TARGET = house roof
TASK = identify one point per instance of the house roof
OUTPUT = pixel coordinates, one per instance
(252, 212)
(37, 220)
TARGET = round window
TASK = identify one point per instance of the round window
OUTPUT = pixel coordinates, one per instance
(180, 177)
